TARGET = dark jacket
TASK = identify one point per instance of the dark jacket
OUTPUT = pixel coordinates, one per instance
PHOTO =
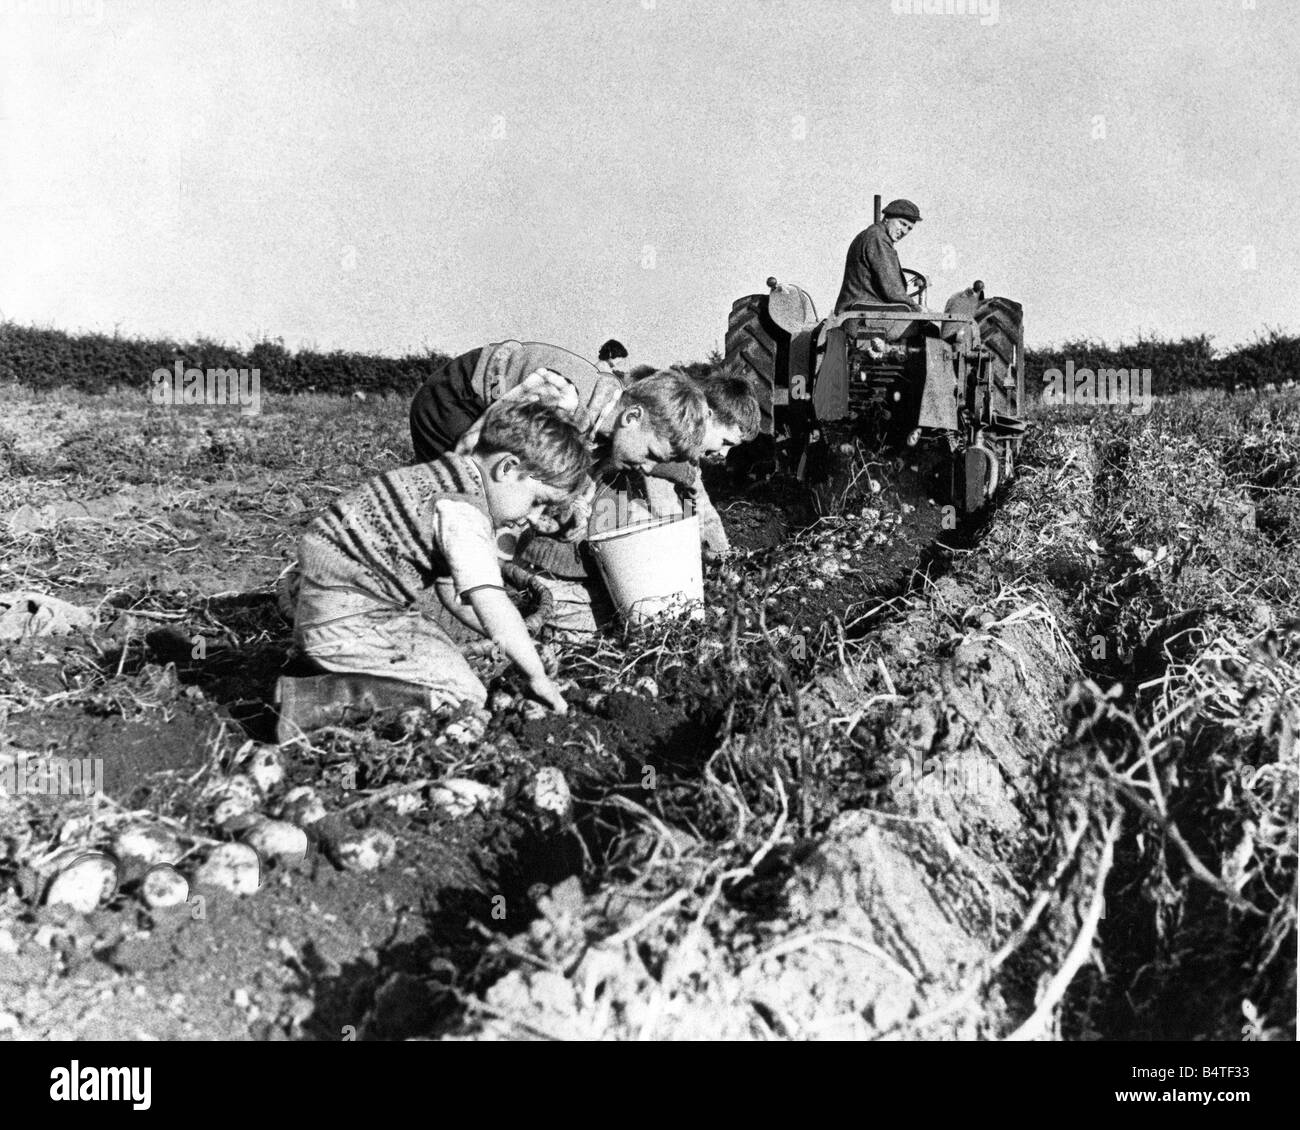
(871, 271)
(445, 408)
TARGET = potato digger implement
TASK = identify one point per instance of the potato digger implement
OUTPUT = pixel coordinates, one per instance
(950, 382)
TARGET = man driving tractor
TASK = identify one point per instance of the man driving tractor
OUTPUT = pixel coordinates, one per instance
(871, 270)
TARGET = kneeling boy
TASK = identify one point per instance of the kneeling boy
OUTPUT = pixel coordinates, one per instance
(366, 565)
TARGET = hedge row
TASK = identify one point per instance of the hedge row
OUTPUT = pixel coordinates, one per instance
(45, 358)
(1189, 363)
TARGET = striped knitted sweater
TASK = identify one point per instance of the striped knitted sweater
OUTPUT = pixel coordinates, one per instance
(502, 365)
(377, 545)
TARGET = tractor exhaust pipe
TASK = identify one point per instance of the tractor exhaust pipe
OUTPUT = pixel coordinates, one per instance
(876, 208)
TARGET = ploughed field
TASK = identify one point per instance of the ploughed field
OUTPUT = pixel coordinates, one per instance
(1031, 779)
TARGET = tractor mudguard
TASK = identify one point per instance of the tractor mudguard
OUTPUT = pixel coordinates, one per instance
(831, 390)
(801, 371)
(791, 308)
(939, 397)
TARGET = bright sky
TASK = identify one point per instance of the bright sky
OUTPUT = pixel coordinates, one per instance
(384, 175)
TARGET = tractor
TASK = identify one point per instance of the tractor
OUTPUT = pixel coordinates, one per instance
(950, 382)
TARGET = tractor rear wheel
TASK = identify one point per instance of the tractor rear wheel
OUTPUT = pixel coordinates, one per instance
(752, 350)
(1002, 333)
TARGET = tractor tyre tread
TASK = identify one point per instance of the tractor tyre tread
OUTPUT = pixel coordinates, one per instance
(752, 351)
(1002, 333)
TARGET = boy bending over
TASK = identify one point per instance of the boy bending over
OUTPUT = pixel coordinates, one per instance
(733, 418)
(367, 563)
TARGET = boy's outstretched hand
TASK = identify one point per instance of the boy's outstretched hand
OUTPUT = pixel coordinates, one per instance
(501, 621)
(545, 689)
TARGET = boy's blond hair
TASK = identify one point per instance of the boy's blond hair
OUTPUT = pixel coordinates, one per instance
(545, 439)
(731, 397)
(675, 406)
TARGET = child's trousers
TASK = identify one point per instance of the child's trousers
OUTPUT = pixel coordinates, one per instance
(407, 644)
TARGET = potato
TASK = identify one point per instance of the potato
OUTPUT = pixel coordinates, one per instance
(266, 768)
(550, 792)
(148, 845)
(368, 851)
(84, 884)
(278, 840)
(163, 886)
(302, 807)
(459, 796)
(236, 868)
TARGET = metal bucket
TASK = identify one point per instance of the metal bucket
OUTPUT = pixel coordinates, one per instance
(652, 568)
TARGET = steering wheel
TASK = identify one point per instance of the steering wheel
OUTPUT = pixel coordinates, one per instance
(916, 284)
